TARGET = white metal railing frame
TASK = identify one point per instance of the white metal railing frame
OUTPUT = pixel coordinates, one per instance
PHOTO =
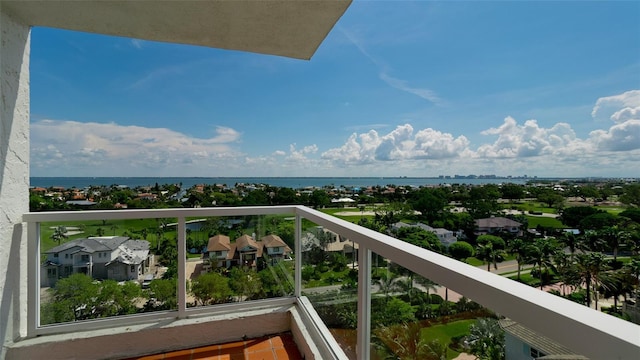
(33, 221)
(584, 330)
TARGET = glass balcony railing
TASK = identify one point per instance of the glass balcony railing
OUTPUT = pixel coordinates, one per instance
(150, 265)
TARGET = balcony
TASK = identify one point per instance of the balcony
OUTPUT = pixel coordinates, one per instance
(583, 330)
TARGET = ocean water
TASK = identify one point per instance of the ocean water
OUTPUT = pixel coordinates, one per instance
(290, 182)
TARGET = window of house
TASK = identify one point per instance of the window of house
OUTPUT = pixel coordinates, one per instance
(535, 353)
(55, 255)
(133, 268)
(66, 256)
(51, 272)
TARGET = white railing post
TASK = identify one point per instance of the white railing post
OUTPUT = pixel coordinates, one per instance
(363, 347)
(298, 257)
(182, 269)
(33, 280)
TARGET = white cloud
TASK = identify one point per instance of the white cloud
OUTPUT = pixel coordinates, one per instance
(59, 146)
(70, 148)
(424, 93)
(400, 144)
(528, 140)
(614, 105)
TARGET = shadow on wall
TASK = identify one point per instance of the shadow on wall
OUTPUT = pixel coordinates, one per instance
(10, 301)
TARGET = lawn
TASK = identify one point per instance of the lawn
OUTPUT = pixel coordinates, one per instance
(546, 222)
(444, 332)
(109, 228)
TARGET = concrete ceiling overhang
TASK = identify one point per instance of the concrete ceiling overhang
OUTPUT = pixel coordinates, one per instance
(292, 28)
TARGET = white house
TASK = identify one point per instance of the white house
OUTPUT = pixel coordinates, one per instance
(110, 257)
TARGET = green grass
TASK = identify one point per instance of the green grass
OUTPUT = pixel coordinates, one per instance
(534, 221)
(444, 332)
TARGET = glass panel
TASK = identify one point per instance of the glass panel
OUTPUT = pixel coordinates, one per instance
(103, 268)
(414, 318)
(234, 259)
(330, 281)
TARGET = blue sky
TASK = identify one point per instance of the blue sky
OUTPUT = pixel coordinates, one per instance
(403, 88)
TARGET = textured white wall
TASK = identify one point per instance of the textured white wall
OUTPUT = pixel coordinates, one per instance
(14, 176)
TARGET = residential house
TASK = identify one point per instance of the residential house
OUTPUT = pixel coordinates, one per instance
(274, 248)
(522, 343)
(111, 257)
(245, 250)
(446, 237)
(219, 252)
(496, 225)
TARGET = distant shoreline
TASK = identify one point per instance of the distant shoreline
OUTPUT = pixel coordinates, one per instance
(290, 182)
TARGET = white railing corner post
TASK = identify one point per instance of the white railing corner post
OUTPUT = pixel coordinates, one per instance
(182, 268)
(298, 257)
(33, 277)
(363, 347)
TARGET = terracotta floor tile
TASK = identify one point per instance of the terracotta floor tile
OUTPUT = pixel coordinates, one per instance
(205, 355)
(261, 355)
(151, 357)
(257, 345)
(278, 347)
(277, 342)
(288, 354)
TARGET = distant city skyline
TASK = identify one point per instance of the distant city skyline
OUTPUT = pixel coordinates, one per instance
(418, 89)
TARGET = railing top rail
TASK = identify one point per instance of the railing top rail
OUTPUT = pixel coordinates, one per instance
(156, 213)
(586, 331)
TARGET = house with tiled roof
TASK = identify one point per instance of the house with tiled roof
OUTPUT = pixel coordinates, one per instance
(245, 251)
(109, 257)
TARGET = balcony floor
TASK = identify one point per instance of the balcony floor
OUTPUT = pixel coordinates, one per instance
(275, 347)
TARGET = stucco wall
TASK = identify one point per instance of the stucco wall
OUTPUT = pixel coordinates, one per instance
(14, 176)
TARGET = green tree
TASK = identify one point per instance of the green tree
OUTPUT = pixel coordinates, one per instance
(393, 311)
(489, 254)
(165, 291)
(245, 283)
(540, 254)
(631, 195)
(461, 250)
(598, 221)
(419, 237)
(430, 202)
(211, 288)
(405, 342)
(572, 216)
(512, 191)
(551, 198)
(589, 266)
(482, 201)
(74, 298)
(59, 233)
(518, 247)
(319, 199)
(486, 339)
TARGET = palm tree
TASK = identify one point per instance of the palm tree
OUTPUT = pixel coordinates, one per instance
(518, 248)
(540, 254)
(571, 241)
(405, 342)
(487, 253)
(614, 237)
(59, 233)
(428, 285)
(589, 267)
(385, 283)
